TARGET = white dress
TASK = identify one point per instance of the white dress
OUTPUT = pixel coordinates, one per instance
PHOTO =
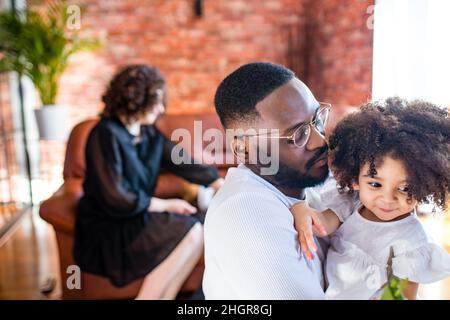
(357, 264)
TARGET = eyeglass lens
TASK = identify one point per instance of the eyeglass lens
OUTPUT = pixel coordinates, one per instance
(301, 135)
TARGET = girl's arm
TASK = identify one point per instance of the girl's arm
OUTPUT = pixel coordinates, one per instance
(309, 222)
(410, 290)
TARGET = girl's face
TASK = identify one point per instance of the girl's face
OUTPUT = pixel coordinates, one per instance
(386, 194)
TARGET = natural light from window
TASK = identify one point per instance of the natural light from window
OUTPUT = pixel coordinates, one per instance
(412, 50)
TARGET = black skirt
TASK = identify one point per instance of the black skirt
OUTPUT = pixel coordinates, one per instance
(128, 249)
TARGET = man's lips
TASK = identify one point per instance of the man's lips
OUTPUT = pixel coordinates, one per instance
(318, 157)
(322, 160)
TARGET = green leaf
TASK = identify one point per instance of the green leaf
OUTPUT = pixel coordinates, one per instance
(37, 45)
(393, 290)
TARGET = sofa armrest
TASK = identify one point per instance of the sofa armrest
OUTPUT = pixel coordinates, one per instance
(59, 210)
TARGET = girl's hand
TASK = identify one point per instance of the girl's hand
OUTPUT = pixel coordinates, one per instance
(307, 221)
(171, 205)
(410, 290)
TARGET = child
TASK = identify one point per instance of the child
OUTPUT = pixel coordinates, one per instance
(389, 156)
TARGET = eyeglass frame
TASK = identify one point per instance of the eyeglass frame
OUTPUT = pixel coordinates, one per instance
(291, 137)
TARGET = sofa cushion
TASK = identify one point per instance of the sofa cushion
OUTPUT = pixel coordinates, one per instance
(60, 209)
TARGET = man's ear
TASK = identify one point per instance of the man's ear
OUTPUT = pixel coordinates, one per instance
(239, 149)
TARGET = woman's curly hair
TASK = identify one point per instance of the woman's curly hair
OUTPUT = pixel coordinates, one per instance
(132, 92)
(414, 132)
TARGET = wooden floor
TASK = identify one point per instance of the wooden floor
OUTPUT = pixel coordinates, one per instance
(27, 259)
(30, 257)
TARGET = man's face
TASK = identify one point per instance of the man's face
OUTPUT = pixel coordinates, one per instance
(285, 109)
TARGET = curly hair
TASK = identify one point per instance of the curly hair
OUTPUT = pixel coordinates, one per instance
(132, 92)
(414, 132)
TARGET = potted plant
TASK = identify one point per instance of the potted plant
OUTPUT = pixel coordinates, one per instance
(38, 44)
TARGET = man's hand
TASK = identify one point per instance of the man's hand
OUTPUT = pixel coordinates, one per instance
(307, 221)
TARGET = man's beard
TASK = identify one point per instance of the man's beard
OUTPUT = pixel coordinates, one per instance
(288, 177)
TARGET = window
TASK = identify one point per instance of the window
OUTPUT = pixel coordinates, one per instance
(412, 50)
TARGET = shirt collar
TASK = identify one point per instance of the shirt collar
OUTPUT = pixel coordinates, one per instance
(288, 201)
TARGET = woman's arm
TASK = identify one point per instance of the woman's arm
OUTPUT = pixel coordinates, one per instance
(217, 184)
(192, 172)
(309, 222)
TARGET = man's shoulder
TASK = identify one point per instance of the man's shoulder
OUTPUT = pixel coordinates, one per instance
(242, 185)
(242, 201)
(246, 201)
(243, 209)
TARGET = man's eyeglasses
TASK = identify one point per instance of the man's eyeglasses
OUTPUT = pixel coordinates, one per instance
(300, 136)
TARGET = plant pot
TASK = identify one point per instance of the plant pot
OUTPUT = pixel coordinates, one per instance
(52, 122)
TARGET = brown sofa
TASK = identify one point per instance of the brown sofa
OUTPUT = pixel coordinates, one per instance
(59, 209)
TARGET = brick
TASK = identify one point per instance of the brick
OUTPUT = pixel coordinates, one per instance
(326, 42)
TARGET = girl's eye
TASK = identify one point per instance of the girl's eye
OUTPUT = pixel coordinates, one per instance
(374, 184)
(404, 189)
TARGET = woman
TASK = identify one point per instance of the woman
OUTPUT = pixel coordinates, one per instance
(122, 231)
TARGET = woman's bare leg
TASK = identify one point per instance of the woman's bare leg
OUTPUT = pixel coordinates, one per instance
(166, 279)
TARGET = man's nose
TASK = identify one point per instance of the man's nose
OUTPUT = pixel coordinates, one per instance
(316, 140)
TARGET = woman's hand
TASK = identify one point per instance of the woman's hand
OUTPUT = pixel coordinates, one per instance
(305, 221)
(172, 205)
(180, 206)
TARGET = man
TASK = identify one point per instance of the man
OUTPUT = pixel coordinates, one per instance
(251, 246)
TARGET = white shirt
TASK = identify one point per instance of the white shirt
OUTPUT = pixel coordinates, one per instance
(357, 260)
(251, 246)
(357, 264)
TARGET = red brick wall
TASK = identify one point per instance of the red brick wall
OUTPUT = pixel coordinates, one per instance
(326, 42)
(340, 50)
(7, 155)
(195, 54)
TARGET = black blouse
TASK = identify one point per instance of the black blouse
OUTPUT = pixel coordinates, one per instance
(121, 176)
(115, 235)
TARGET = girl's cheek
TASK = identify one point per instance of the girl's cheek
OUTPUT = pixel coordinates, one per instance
(411, 202)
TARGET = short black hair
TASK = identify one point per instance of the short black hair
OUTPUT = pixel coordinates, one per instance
(238, 94)
(414, 132)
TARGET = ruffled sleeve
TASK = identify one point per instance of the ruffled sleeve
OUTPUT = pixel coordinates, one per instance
(428, 263)
(340, 203)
